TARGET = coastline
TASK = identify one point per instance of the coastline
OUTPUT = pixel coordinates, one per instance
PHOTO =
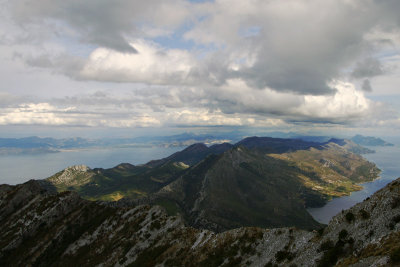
(385, 159)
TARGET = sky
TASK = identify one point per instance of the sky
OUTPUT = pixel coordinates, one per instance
(128, 67)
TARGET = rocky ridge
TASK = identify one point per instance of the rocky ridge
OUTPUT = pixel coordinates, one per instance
(41, 228)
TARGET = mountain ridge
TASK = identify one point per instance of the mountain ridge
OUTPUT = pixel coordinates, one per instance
(42, 228)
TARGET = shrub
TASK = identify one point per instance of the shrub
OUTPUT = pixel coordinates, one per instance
(328, 244)
(364, 214)
(350, 240)
(395, 202)
(343, 234)
(330, 257)
(371, 233)
(395, 255)
(396, 219)
(270, 264)
(284, 254)
(320, 231)
(349, 217)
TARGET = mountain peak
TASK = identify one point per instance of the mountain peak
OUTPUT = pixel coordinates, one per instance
(196, 147)
(78, 168)
(73, 175)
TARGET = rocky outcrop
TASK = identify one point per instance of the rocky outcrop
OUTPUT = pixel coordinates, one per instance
(76, 175)
(40, 228)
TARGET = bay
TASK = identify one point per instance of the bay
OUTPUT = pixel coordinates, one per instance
(16, 169)
(387, 159)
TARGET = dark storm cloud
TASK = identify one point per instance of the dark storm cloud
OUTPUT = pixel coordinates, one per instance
(99, 22)
(366, 86)
(369, 67)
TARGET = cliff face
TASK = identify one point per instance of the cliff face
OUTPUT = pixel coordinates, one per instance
(41, 228)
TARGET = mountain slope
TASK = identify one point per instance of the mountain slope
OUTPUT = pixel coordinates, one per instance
(127, 180)
(331, 170)
(40, 228)
(241, 188)
(369, 141)
(192, 154)
(276, 145)
(124, 180)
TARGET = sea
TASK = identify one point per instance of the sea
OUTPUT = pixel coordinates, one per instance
(387, 159)
(16, 169)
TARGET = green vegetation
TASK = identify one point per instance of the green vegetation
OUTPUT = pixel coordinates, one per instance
(395, 255)
(350, 217)
(113, 184)
(331, 171)
(343, 234)
(170, 206)
(284, 255)
(395, 202)
(364, 214)
(150, 256)
(327, 245)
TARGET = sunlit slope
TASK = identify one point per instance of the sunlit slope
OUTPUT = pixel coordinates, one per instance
(124, 180)
(331, 170)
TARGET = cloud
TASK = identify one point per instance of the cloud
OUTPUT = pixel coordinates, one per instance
(30, 113)
(366, 86)
(301, 46)
(346, 105)
(159, 63)
(369, 67)
(100, 23)
(51, 115)
(287, 46)
(152, 65)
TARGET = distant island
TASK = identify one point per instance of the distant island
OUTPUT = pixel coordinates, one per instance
(369, 141)
(40, 145)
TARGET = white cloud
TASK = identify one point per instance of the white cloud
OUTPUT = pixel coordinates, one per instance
(42, 113)
(50, 115)
(152, 64)
(347, 103)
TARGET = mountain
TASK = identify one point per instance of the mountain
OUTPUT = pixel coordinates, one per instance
(124, 180)
(240, 188)
(369, 141)
(259, 181)
(276, 145)
(43, 228)
(350, 146)
(36, 145)
(127, 180)
(331, 169)
(192, 154)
